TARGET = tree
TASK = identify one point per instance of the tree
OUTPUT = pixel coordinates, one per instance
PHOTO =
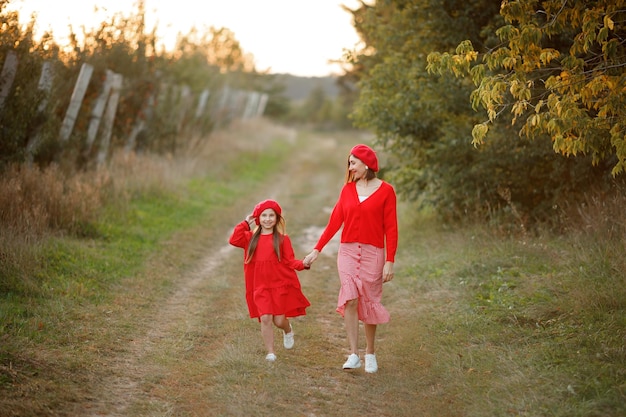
(424, 121)
(416, 117)
(559, 71)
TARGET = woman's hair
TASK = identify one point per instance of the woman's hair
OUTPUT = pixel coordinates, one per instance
(369, 175)
(277, 238)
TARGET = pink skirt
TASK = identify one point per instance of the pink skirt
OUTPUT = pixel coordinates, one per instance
(360, 270)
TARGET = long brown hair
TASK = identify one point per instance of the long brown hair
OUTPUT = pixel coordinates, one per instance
(277, 238)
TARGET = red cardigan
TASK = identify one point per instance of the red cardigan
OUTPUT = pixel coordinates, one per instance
(373, 222)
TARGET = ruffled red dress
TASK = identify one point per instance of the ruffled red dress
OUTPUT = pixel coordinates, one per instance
(272, 286)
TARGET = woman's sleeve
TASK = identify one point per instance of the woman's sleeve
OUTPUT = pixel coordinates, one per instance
(390, 219)
(334, 224)
(241, 235)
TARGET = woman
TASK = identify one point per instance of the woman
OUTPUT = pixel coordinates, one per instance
(367, 210)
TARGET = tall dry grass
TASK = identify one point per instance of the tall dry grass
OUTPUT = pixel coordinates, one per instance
(35, 201)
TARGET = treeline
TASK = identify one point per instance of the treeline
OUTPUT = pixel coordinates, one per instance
(486, 108)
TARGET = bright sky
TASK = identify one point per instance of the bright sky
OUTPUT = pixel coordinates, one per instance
(285, 36)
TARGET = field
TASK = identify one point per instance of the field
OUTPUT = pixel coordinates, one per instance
(140, 310)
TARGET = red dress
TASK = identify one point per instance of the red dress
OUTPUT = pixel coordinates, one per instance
(272, 286)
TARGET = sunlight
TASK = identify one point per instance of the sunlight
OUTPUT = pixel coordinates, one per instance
(283, 35)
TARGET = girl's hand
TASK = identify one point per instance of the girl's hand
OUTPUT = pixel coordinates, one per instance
(251, 221)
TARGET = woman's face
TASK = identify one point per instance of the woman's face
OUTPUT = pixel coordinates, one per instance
(268, 219)
(357, 167)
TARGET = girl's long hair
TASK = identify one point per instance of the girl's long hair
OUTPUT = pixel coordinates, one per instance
(277, 238)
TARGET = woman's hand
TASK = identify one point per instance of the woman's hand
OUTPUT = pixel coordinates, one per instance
(311, 257)
(388, 271)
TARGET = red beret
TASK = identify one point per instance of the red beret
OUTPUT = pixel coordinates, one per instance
(366, 155)
(264, 205)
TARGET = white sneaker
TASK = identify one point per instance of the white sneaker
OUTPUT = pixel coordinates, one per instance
(270, 357)
(288, 338)
(353, 362)
(371, 365)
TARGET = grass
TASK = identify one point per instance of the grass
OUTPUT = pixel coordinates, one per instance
(143, 312)
(531, 327)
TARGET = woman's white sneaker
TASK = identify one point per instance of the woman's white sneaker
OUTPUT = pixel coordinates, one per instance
(371, 365)
(270, 357)
(353, 362)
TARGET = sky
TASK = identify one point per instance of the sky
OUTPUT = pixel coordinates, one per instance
(298, 37)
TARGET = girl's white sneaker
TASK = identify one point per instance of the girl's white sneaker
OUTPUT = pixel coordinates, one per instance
(270, 357)
(288, 340)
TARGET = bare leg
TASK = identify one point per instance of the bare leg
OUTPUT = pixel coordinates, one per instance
(282, 323)
(351, 321)
(267, 332)
(370, 337)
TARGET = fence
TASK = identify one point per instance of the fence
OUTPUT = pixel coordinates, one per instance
(215, 108)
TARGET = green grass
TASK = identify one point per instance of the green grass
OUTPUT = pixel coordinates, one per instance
(530, 328)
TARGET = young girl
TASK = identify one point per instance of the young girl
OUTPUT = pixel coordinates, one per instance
(273, 291)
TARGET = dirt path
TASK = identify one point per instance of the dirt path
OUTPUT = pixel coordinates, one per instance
(198, 354)
(129, 388)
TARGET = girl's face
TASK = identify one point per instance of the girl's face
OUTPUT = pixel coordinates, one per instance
(268, 219)
(357, 167)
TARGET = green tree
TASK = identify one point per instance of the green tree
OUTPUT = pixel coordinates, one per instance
(424, 121)
(559, 71)
(416, 117)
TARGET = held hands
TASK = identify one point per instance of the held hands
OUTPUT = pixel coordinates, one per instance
(388, 271)
(310, 258)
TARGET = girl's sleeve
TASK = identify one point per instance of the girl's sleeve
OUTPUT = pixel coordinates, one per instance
(241, 235)
(288, 257)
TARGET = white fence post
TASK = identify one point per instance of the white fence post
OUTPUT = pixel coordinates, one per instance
(251, 105)
(204, 97)
(109, 117)
(184, 101)
(9, 71)
(44, 85)
(75, 102)
(98, 110)
(262, 103)
(239, 104)
(140, 123)
(222, 109)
